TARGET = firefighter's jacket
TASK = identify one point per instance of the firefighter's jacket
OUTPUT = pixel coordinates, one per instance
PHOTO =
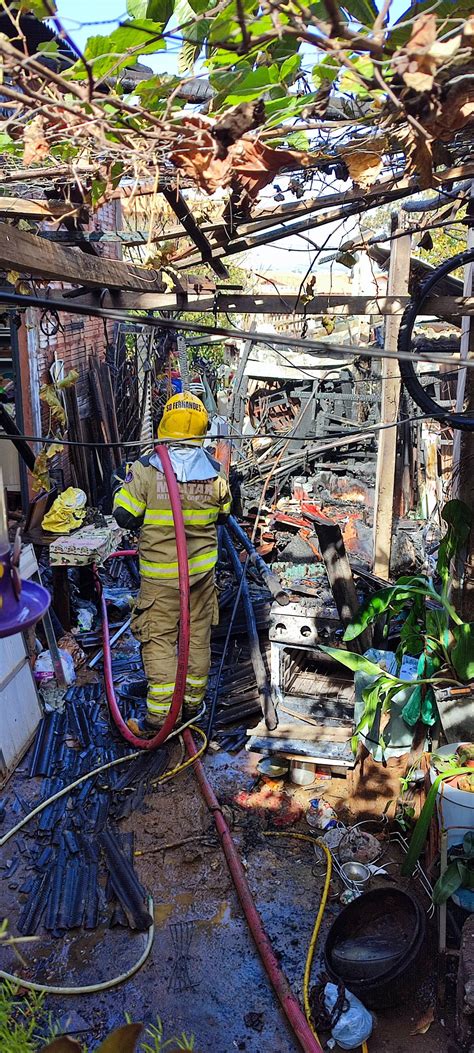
(143, 502)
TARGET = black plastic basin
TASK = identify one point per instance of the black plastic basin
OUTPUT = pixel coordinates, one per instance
(374, 942)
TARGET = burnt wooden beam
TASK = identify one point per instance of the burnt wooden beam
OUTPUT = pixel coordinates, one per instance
(29, 254)
(37, 209)
(289, 304)
(127, 238)
(185, 216)
(339, 574)
(261, 230)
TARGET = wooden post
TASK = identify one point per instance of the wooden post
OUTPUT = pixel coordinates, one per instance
(463, 441)
(237, 405)
(398, 278)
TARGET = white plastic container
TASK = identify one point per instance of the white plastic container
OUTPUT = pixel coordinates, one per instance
(455, 807)
(302, 773)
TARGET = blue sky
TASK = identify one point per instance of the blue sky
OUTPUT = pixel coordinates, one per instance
(102, 17)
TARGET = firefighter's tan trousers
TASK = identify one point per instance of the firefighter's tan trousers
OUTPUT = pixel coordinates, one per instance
(155, 623)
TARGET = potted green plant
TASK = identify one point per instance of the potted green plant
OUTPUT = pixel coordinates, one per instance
(432, 631)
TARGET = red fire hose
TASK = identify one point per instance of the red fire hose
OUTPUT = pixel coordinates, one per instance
(287, 999)
(183, 641)
(288, 1002)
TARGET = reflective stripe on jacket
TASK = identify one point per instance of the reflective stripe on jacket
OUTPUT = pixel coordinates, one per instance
(143, 502)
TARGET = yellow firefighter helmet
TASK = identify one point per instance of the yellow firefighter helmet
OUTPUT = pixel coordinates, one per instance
(184, 417)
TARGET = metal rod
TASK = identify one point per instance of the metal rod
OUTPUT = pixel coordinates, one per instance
(264, 690)
(271, 581)
(116, 636)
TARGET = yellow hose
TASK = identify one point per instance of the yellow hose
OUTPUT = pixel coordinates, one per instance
(319, 918)
(317, 924)
(191, 760)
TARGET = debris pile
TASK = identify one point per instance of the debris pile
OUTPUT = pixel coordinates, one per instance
(81, 864)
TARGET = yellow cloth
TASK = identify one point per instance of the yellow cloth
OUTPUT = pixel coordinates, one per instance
(144, 494)
(66, 513)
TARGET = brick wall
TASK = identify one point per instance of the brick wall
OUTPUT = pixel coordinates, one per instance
(78, 336)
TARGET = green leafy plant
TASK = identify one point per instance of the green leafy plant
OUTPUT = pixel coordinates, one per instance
(125, 1040)
(432, 631)
(158, 1044)
(459, 872)
(25, 1026)
(22, 1020)
(420, 832)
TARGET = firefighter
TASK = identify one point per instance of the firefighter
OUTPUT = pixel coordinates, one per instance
(142, 502)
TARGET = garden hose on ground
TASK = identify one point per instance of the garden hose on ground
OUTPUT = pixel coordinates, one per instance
(319, 917)
(31, 985)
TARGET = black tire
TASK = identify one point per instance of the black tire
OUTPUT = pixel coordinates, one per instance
(407, 368)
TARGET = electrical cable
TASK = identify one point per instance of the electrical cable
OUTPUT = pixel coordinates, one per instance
(420, 396)
(310, 346)
(235, 435)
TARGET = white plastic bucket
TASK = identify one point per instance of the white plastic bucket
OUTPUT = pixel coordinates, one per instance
(302, 773)
(455, 807)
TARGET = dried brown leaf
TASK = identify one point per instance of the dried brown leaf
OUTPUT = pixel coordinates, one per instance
(364, 166)
(457, 112)
(418, 80)
(418, 60)
(35, 146)
(53, 449)
(40, 474)
(328, 323)
(249, 162)
(425, 1022)
(423, 34)
(62, 1045)
(442, 50)
(23, 288)
(123, 1040)
(168, 281)
(419, 158)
